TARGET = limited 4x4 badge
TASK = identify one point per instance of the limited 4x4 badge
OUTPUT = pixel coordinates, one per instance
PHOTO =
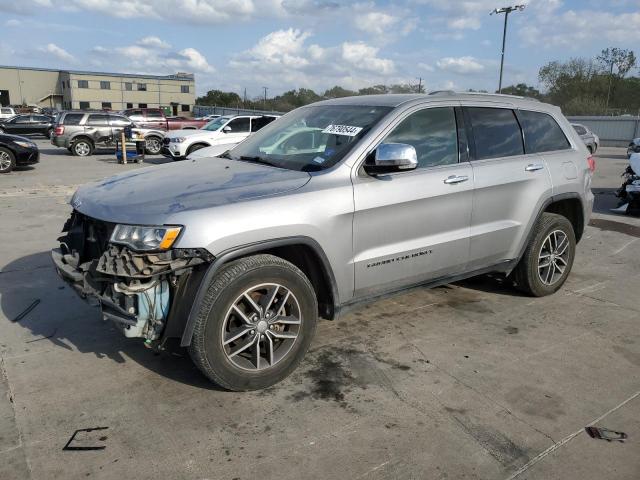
(400, 259)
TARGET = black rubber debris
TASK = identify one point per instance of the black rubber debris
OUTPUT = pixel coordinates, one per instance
(605, 434)
(26, 311)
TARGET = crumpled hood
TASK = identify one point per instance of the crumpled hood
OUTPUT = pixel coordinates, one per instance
(153, 195)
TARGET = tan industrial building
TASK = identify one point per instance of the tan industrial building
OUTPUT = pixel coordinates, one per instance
(73, 89)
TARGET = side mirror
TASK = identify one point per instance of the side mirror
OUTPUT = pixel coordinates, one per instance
(226, 129)
(391, 158)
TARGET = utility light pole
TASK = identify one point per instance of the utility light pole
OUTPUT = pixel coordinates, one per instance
(264, 102)
(506, 11)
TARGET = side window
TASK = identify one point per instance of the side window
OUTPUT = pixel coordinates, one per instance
(239, 125)
(542, 133)
(154, 114)
(118, 121)
(97, 120)
(41, 119)
(259, 122)
(432, 132)
(23, 119)
(72, 119)
(496, 132)
(580, 130)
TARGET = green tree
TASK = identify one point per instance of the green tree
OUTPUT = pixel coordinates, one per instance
(522, 90)
(220, 99)
(339, 92)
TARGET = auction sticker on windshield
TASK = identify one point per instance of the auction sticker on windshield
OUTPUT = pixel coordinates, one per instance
(342, 130)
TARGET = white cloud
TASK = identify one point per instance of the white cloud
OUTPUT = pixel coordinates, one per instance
(12, 23)
(190, 60)
(153, 42)
(461, 65)
(285, 57)
(384, 25)
(464, 23)
(57, 52)
(365, 57)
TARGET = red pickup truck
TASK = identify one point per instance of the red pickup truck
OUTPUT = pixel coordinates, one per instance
(154, 118)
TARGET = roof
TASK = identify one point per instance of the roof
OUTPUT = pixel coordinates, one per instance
(395, 100)
(177, 76)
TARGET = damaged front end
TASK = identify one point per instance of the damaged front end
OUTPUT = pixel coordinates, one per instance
(141, 292)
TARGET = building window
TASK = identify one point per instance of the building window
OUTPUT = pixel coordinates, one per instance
(105, 85)
(83, 83)
(185, 108)
(142, 105)
(62, 85)
(129, 105)
(84, 106)
(128, 86)
(142, 87)
(106, 105)
(184, 88)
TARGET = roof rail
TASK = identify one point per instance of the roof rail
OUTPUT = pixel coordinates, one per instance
(452, 92)
(442, 92)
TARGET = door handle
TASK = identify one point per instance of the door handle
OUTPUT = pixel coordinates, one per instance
(453, 179)
(532, 167)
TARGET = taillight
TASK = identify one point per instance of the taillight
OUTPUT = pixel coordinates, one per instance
(59, 130)
(591, 162)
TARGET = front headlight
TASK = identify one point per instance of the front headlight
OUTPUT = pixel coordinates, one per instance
(177, 140)
(145, 238)
(24, 144)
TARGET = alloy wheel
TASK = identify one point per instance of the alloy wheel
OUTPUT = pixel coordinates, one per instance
(553, 258)
(82, 149)
(261, 327)
(153, 146)
(5, 161)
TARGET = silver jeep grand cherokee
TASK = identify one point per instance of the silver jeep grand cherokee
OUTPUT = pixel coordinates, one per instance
(334, 204)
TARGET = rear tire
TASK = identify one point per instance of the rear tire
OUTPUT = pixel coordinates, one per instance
(246, 336)
(82, 148)
(548, 258)
(7, 160)
(49, 133)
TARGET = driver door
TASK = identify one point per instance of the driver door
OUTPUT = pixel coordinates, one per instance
(411, 227)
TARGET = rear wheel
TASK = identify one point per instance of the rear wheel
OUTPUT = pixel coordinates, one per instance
(82, 148)
(255, 323)
(49, 133)
(7, 160)
(590, 148)
(548, 258)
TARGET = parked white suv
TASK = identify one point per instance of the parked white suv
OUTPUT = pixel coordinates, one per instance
(228, 130)
(6, 112)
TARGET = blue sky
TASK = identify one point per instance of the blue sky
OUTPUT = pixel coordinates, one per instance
(284, 44)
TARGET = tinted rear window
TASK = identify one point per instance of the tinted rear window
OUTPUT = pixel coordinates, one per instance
(72, 119)
(580, 130)
(541, 132)
(496, 132)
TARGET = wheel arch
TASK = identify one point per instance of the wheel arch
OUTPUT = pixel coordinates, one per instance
(200, 143)
(82, 136)
(304, 252)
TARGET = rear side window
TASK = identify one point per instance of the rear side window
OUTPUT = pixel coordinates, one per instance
(432, 132)
(259, 122)
(97, 120)
(154, 114)
(541, 132)
(496, 132)
(72, 119)
(580, 130)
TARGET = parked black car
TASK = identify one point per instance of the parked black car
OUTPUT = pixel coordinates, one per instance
(28, 124)
(16, 151)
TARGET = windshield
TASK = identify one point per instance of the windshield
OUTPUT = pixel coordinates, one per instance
(217, 124)
(310, 138)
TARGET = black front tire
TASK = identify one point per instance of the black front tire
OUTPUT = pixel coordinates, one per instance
(195, 148)
(7, 160)
(207, 350)
(527, 273)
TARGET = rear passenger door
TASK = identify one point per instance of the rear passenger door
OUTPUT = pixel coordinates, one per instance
(509, 184)
(97, 127)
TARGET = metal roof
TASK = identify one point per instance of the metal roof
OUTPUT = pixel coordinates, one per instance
(181, 76)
